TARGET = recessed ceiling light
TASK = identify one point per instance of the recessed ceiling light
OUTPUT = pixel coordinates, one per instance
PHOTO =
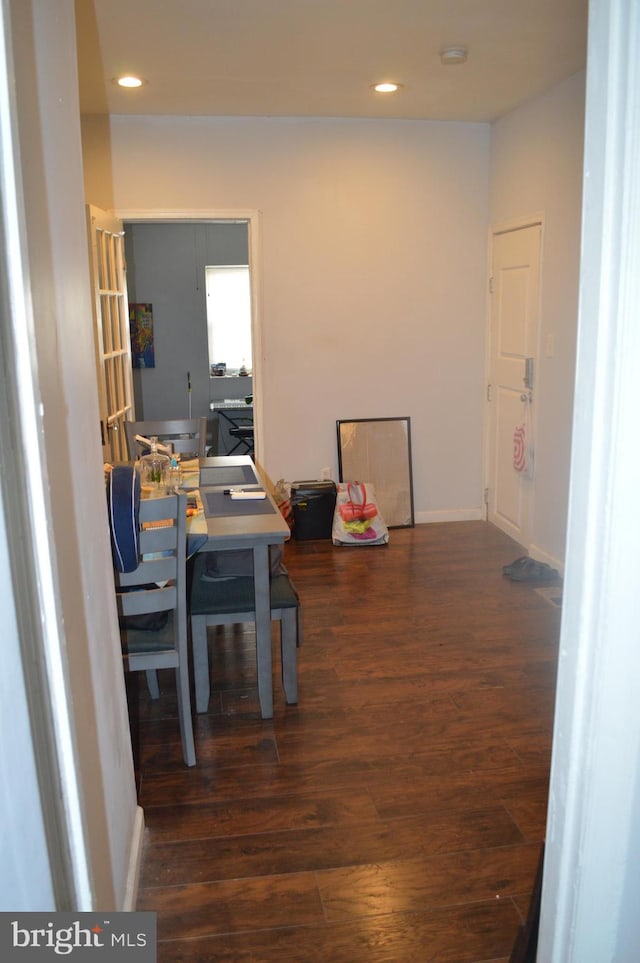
(388, 87)
(128, 81)
(453, 54)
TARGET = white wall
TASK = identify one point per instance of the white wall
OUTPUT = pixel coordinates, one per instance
(536, 166)
(373, 246)
(61, 363)
(25, 880)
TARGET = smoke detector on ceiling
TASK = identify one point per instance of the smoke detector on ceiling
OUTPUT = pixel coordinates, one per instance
(454, 54)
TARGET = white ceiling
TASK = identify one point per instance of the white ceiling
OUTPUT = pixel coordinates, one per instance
(318, 57)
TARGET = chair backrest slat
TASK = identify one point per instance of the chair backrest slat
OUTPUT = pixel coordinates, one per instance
(148, 600)
(157, 540)
(149, 571)
(155, 509)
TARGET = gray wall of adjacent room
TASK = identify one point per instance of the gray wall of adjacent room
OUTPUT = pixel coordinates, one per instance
(166, 268)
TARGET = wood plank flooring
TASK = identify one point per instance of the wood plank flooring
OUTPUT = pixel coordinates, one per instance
(395, 815)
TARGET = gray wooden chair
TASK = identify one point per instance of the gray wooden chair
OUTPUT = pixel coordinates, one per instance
(186, 436)
(158, 585)
(229, 600)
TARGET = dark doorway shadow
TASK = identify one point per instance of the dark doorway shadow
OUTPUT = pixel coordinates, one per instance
(526, 945)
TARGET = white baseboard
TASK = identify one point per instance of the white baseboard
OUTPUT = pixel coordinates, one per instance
(541, 556)
(451, 515)
(135, 862)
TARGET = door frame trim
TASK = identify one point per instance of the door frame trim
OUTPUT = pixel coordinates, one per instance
(506, 227)
(253, 219)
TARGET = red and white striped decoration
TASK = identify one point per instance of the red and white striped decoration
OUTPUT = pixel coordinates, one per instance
(520, 448)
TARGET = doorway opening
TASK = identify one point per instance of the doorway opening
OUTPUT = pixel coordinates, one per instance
(183, 372)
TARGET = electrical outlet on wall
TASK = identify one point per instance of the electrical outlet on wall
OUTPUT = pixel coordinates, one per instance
(325, 474)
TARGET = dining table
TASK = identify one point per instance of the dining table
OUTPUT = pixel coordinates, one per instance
(235, 511)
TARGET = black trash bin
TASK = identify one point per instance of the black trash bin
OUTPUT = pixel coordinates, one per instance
(313, 504)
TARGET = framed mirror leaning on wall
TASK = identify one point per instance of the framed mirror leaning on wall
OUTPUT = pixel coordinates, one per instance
(378, 451)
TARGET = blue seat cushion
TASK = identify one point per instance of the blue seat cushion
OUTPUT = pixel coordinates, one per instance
(226, 595)
(123, 500)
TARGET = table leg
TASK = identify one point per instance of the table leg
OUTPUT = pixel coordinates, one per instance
(263, 629)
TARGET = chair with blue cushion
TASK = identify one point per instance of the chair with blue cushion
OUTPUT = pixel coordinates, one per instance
(158, 585)
(228, 600)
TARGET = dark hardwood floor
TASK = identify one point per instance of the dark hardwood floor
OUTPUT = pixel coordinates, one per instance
(396, 813)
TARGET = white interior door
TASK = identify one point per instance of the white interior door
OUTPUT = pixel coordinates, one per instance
(515, 310)
(111, 331)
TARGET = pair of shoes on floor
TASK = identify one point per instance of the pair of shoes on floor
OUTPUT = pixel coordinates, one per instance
(526, 569)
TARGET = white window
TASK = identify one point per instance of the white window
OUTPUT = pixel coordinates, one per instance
(229, 316)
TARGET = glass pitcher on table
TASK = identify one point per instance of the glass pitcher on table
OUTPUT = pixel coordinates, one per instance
(154, 471)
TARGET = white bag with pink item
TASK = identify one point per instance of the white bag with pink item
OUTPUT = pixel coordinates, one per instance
(357, 519)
